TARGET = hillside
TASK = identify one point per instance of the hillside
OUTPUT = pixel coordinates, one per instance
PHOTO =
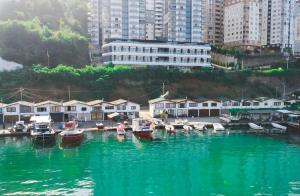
(140, 85)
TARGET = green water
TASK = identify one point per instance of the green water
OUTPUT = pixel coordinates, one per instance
(235, 164)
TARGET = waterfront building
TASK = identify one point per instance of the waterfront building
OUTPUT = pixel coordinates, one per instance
(207, 107)
(242, 23)
(213, 14)
(297, 29)
(126, 108)
(97, 109)
(18, 111)
(277, 29)
(141, 53)
(77, 110)
(2, 105)
(94, 24)
(50, 108)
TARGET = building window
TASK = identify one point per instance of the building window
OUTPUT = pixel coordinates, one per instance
(213, 104)
(133, 107)
(255, 103)
(41, 109)
(182, 105)
(170, 105)
(71, 108)
(55, 109)
(193, 105)
(159, 106)
(205, 104)
(277, 103)
(109, 107)
(83, 109)
(11, 109)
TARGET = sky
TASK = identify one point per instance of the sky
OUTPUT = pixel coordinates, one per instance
(8, 66)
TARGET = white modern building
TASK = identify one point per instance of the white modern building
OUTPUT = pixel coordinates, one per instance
(140, 53)
(94, 24)
(242, 23)
(277, 23)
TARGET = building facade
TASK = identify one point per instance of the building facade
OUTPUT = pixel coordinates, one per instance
(213, 13)
(183, 20)
(277, 23)
(94, 24)
(297, 29)
(140, 53)
(242, 23)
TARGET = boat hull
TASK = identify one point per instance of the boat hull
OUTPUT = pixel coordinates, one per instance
(143, 134)
(72, 139)
(294, 128)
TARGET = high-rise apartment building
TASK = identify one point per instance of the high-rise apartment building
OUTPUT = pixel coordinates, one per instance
(297, 29)
(183, 20)
(154, 19)
(123, 19)
(213, 13)
(242, 23)
(277, 23)
(94, 24)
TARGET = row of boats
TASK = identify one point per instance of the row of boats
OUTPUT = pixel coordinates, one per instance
(42, 132)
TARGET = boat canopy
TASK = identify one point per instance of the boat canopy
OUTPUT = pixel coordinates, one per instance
(113, 115)
(40, 119)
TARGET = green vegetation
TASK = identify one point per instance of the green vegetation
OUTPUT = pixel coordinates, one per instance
(139, 85)
(48, 32)
(228, 51)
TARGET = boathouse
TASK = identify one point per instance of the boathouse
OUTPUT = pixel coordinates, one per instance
(18, 111)
(77, 110)
(50, 108)
(97, 111)
(126, 108)
(1, 112)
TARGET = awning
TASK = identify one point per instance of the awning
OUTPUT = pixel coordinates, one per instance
(113, 115)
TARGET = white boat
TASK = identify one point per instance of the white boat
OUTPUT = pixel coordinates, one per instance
(42, 131)
(121, 129)
(187, 128)
(224, 119)
(169, 128)
(278, 126)
(255, 126)
(218, 127)
(20, 127)
(199, 127)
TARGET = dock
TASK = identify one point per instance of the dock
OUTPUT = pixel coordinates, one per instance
(7, 133)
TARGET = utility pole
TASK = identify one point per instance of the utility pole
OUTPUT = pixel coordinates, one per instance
(284, 88)
(21, 93)
(163, 88)
(69, 91)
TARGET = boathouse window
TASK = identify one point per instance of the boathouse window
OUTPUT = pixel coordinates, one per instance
(159, 105)
(277, 103)
(55, 109)
(109, 107)
(170, 105)
(11, 109)
(213, 104)
(205, 104)
(193, 105)
(83, 109)
(41, 109)
(133, 107)
(255, 103)
(246, 103)
(235, 104)
(121, 107)
(71, 108)
(266, 104)
(182, 105)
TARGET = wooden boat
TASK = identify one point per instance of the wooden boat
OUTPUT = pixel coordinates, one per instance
(71, 124)
(278, 126)
(218, 127)
(141, 129)
(255, 126)
(42, 132)
(121, 129)
(71, 137)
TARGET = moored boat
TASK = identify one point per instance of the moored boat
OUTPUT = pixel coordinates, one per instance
(19, 127)
(218, 127)
(294, 123)
(71, 137)
(42, 132)
(255, 126)
(187, 128)
(141, 129)
(199, 127)
(170, 129)
(100, 125)
(121, 129)
(278, 126)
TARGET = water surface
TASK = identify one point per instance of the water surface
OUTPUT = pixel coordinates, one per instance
(234, 164)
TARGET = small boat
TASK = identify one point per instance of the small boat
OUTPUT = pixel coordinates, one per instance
(255, 126)
(42, 132)
(141, 129)
(224, 119)
(121, 129)
(20, 127)
(170, 129)
(199, 127)
(100, 125)
(218, 127)
(294, 123)
(278, 126)
(187, 128)
(71, 137)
